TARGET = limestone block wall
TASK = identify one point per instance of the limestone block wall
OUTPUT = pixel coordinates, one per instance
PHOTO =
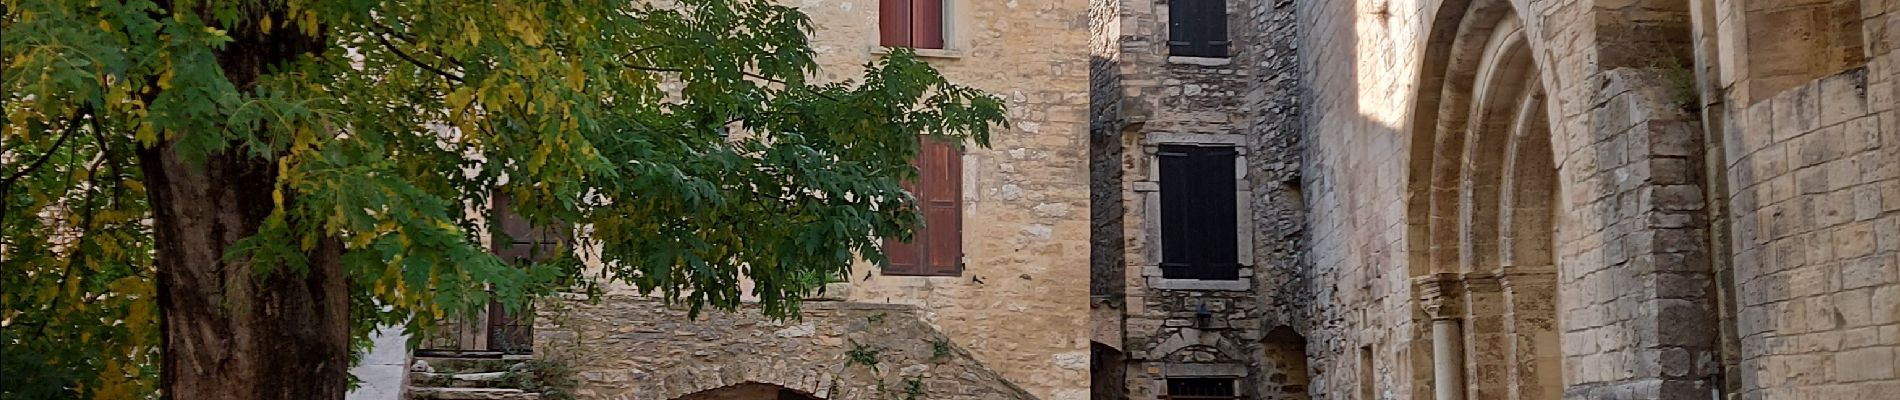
(632, 348)
(1020, 304)
(1359, 62)
(1815, 189)
(1634, 301)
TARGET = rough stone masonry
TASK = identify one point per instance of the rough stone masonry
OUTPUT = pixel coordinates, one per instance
(1490, 199)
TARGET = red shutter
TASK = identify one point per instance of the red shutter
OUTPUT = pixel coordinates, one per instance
(893, 23)
(926, 24)
(937, 247)
(942, 200)
(905, 258)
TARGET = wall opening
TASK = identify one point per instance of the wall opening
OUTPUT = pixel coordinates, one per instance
(1283, 367)
(1108, 373)
(1368, 378)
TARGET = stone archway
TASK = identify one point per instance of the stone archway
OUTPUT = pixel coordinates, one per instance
(1483, 196)
(749, 391)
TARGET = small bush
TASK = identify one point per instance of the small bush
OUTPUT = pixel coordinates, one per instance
(554, 380)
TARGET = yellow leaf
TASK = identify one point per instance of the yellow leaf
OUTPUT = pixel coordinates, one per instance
(459, 98)
(145, 134)
(575, 76)
(165, 78)
(105, 25)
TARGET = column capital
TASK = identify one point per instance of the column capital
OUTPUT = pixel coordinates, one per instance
(1438, 294)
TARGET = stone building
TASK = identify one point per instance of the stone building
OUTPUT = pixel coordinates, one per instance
(987, 304)
(1490, 199)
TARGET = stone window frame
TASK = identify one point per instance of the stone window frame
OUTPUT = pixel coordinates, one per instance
(956, 42)
(1161, 30)
(1149, 191)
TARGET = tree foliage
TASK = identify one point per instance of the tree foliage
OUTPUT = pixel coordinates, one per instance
(392, 124)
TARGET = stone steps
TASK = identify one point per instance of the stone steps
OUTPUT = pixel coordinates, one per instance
(466, 380)
(463, 378)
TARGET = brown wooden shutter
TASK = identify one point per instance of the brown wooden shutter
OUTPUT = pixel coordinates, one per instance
(893, 23)
(910, 23)
(1199, 236)
(937, 247)
(926, 24)
(941, 197)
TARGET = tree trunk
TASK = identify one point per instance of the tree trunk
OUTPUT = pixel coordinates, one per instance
(230, 333)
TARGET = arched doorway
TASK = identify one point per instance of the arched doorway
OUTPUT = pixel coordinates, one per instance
(1482, 211)
(749, 391)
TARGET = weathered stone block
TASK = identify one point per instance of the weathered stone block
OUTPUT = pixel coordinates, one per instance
(1876, 363)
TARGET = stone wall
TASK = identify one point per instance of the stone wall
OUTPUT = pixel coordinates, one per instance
(633, 348)
(1644, 261)
(1020, 301)
(1359, 62)
(1020, 304)
(1248, 100)
(1815, 189)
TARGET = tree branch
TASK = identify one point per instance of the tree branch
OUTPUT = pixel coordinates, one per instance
(6, 185)
(412, 60)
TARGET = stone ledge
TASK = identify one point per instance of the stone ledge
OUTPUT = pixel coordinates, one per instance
(1196, 284)
(947, 54)
(1201, 61)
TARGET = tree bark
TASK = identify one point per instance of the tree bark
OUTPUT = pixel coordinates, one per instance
(230, 332)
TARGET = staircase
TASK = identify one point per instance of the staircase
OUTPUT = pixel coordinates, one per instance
(457, 378)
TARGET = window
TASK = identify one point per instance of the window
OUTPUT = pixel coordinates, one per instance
(915, 24)
(1200, 389)
(519, 242)
(937, 247)
(1199, 225)
(1197, 28)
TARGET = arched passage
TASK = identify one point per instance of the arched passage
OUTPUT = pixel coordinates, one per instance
(749, 391)
(1482, 192)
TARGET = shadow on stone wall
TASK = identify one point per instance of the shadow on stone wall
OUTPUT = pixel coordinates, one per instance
(628, 347)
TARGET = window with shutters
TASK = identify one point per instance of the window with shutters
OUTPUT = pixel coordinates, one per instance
(1221, 388)
(1197, 28)
(936, 249)
(1199, 218)
(518, 242)
(916, 24)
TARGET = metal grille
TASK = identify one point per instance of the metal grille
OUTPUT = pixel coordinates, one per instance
(510, 333)
(1201, 389)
